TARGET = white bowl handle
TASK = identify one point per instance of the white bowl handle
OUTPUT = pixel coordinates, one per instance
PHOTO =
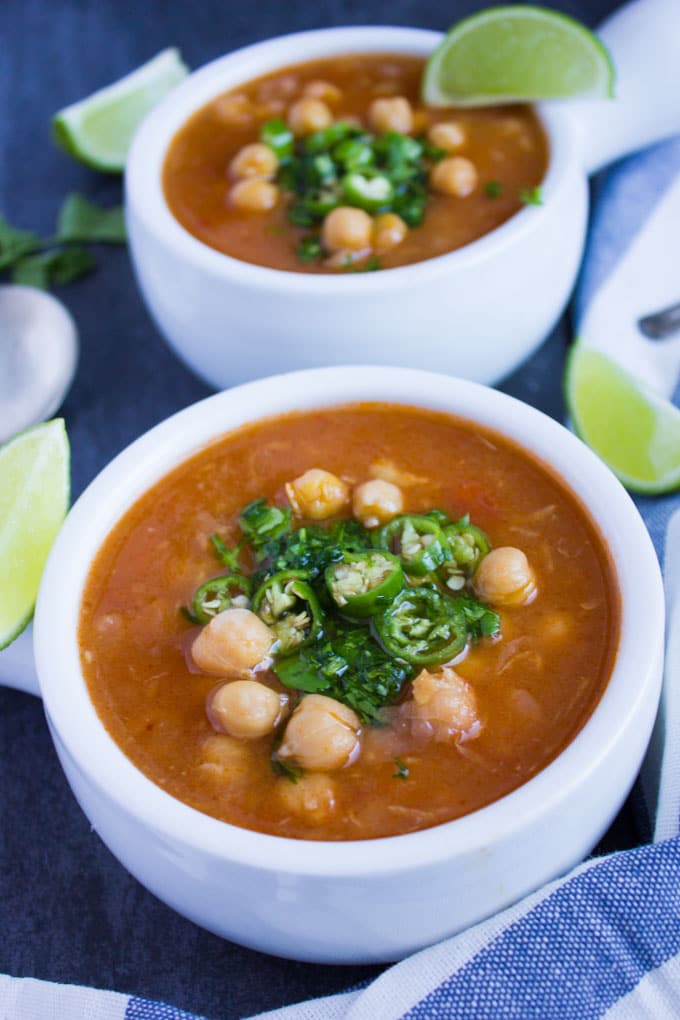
(17, 664)
(644, 41)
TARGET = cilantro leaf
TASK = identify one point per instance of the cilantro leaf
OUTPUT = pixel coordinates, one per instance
(531, 196)
(80, 219)
(15, 244)
(59, 266)
(349, 666)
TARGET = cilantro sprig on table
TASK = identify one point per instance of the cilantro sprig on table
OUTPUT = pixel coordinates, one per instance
(47, 261)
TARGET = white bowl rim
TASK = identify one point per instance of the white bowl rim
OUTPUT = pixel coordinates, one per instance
(133, 471)
(143, 188)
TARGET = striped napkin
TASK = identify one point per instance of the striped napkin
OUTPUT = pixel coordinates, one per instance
(604, 941)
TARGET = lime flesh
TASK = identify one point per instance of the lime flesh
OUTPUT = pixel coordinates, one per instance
(633, 429)
(520, 53)
(98, 130)
(34, 498)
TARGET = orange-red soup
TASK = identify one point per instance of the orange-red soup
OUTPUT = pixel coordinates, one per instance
(535, 685)
(506, 147)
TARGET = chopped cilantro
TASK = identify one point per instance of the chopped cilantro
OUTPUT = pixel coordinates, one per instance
(531, 196)
(280, 768)
(494, 189)
(43, 262)
(402, 770)
(309, 249)
(349, 666)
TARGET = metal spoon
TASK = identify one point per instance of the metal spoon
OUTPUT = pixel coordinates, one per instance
(38, 357)
(662, 324)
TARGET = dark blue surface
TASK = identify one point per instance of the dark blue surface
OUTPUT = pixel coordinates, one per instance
(68, 911)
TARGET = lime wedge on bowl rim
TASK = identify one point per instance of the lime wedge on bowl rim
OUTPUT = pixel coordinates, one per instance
(98, 129)
(630, 426)
(34, 498)
(517, 54)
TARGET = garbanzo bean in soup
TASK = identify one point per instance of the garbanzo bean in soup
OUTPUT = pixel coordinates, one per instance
(336, 165)
(349, 623)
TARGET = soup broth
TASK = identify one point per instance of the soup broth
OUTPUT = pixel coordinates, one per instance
(534, 684)
(496, 156)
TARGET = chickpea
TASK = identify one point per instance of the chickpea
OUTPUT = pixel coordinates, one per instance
(445, 702)
(323, 90)
(309, 115)
(449, 136)
(312, 797)
(254, 195)
(347, 228)
(454, 175)
(234, 110)
(389, 230)
(256, 160)
(245, 708)
(391, 114)
(322, 734)
(505, 578)
(344, 258)
(376, 502)
(225, 758)
(232, 643)
(317, 494)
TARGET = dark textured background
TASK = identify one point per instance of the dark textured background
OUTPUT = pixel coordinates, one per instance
(68, 910)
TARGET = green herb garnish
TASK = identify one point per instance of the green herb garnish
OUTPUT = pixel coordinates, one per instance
(531, 196)
(493, 189)
(44, 262)
(355, 613)
(347, 165)
(402, 770)
(349, 666)
(309, 249)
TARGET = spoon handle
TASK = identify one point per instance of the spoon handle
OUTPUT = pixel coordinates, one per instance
(643, 38)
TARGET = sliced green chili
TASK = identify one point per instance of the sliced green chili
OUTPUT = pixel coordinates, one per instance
(321, 141)
(422, 626)
(287, 604)
(369, 193)
(363, 583)
(468, 545)
(218, 594)
(277, 135)
(354, 153)
(418, 540)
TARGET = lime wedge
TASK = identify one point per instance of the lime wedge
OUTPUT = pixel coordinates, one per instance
(98, 130)
(520, 53)
(633, 429)
(34, 497)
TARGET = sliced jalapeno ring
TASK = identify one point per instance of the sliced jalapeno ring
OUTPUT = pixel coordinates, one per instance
(287, 604)
(363, 583)
(218, 594)
(277, 135)
(422, 626)
(370, 193)
(468, 545)
(419, 541)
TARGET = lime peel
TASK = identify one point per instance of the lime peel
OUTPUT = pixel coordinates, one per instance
(34, 499)
(630, 426)
(98, 130)
(519, 53)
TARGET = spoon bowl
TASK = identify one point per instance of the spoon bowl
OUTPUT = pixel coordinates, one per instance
(38, 357)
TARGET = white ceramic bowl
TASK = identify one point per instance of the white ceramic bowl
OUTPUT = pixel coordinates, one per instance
(476, 312)
(378, 899)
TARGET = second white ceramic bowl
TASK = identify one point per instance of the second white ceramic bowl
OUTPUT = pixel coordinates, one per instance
(476, 312)
(377, 899)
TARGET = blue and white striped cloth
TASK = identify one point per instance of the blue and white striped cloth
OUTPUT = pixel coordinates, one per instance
(602, 942)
